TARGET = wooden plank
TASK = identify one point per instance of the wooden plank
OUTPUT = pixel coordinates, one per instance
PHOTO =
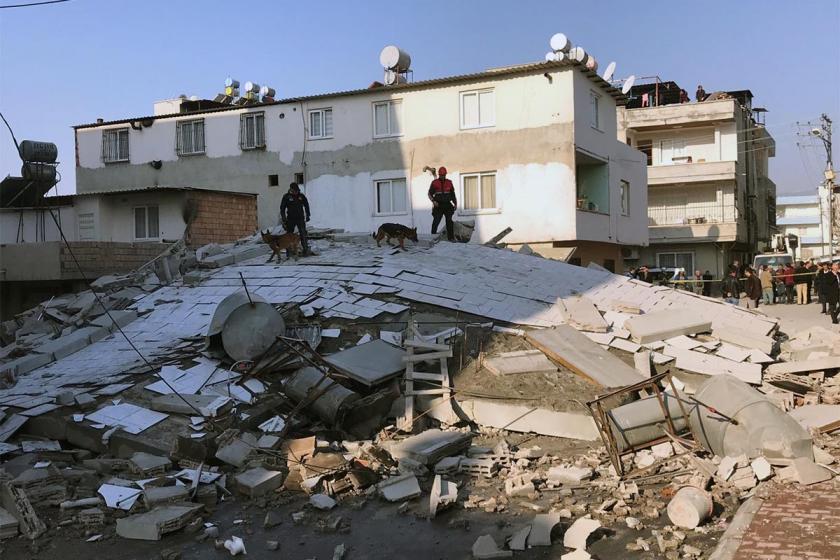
(567, 346)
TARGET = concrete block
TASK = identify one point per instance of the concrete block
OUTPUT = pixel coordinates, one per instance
(399, 488)
(743, 338)
(156, 523)
(641, 360)
(258, 481)
(726, 467)
(569, 475)
(147, 464)
(235, 448)
(578, 533)
(661, 325)
(541, 527)
(448, 465)
(486, 548)
(761, 468)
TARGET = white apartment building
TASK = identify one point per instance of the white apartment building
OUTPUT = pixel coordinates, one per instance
(710, 200)
(531, 147)
(805, 216)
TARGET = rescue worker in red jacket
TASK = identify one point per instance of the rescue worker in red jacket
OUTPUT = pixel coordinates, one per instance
(444, 203)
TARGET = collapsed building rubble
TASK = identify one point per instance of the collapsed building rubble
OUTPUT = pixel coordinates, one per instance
(137, 409)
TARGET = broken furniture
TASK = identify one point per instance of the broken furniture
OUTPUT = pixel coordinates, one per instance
(420, 350)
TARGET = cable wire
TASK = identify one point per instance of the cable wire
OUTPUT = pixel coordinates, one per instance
(31, 4)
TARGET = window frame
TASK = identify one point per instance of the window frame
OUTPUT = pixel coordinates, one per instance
(675, 253)
(84, 227)
(596, 97)
(179, 139)
(401, 120)
(323, 111)
(462, 207)
(146, 215)
(624, 197)
(117, 131)
(257, 116)
(390, 181)
(477, 93)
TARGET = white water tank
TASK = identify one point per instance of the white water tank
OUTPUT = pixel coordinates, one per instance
(393, 58)
(560, 43)
(591, 63)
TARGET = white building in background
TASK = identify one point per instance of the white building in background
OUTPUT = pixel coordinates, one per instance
(805, 216)
(530, 147)
(710, 199)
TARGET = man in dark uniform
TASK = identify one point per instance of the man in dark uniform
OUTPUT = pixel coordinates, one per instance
(444, 203)
(294, 213)
(832, 290)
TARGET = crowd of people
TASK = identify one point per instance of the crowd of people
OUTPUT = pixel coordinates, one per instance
(798, 283)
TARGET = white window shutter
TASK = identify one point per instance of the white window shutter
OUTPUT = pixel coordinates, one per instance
(259, 130)
(242, 130)
(179, 145)
(104, 145)
(487, 107)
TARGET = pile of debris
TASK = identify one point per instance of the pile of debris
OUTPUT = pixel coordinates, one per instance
(410, 377)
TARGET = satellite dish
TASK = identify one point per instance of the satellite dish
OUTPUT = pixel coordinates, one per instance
(578, 54)
(560, 43)
(591, 63)
(251, 87)
(549, 56)
(608, 73)
(628, 83)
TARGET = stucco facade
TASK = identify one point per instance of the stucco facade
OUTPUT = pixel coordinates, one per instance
(539, 133)
(807, 218)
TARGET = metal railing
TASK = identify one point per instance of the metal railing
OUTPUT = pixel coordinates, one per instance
(712, 213)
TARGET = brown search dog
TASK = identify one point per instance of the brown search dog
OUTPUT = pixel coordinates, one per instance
(279, 243)
(395, 231)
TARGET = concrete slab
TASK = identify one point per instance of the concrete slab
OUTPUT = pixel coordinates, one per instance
(817, 416)
(743, 338)
(832, 362)
(576, 535)
(582, 314)
(208, 405)
(642, 362)
(154, 524)
(517, 418)
(371, 363)
(121, 318)
(519, 540)
(399, 488)
(429, 447)
(696, 362)
(661, 325)
(526, 361)
(566, 345)
(541, 527)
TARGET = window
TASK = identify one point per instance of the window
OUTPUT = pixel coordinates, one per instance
(115, 145)
(320, 123)
(646, 147)
(387, 119)
(252, 131)
(478, 108)
(594, 111)
(189, 137)
(299, 178)
(274, 180)
(675, 260)
(391, 197)
(146, 224)
(625, 198)
(670, 149)
(479, 191)
(87, 227)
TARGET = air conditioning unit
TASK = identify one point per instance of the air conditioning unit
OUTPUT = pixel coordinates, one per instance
(629, 253)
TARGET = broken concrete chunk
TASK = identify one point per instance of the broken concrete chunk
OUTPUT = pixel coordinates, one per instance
(690, 507)
(569, 475)
(578, 554)
(807, 472)
(149, 465)
(541, 528)
(234, 447)
(526, 361)
(582, 314)
(761, 468)
(486, 548)
(322, 501)
(726, 467)
(444, 493)
(399, 488)
(519, 539)
(154, 524)
(428, 447)
(517, 418)
(576, 535)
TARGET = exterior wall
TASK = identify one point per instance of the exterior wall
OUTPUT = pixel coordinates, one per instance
(707, 256)
(807, 218)
(21, 225)
(221, 217)
(114, 214)
(531, 148)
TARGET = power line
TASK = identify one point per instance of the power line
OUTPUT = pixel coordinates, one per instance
(31, 4)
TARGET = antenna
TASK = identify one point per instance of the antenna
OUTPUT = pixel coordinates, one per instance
(628, 83)
(608, 73)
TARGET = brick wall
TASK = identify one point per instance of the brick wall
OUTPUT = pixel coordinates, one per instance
(221, 217)
(97, 258)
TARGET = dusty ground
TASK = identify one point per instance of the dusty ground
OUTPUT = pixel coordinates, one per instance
(795, 318)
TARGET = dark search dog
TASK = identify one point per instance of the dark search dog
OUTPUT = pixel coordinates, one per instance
(395, 231)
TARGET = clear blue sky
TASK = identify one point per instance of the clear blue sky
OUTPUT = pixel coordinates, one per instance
(70, 63)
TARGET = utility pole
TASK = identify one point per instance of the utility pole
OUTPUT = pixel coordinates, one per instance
(824, 134)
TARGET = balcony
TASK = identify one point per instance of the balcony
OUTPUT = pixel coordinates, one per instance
(692, 223)
(700, 172)
(691, 114)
